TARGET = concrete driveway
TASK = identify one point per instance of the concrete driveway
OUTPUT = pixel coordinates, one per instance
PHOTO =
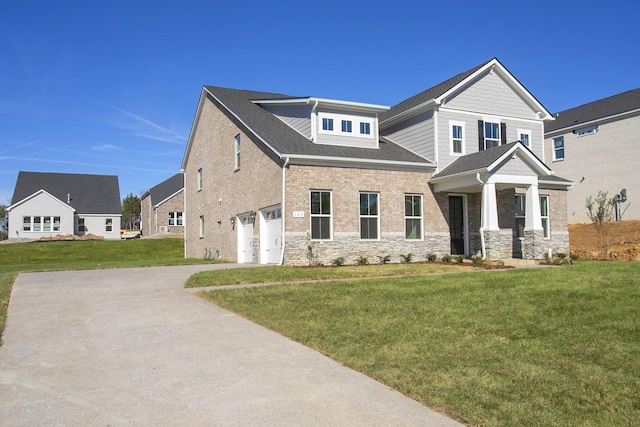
(131, 346)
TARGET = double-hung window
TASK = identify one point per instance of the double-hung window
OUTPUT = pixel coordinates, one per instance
(457, 137)
(491, 135)
(558, 148)
(520, 214)
(524, 135)
(327, 124)
(238, 151)
(26, 223)
(200, 179)
(369, 215)
(346, 126)
(544, 215)
(108, 225)
(175, 218)
(81, 225)
(201, 226)
(320, 215)
(413, 216)
(365, 128)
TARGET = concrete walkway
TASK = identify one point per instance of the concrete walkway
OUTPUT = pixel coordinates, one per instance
(131, 346)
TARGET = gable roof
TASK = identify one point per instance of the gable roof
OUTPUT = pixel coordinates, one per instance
(90, 194)
(285, 141)
(435, 95)
(585, 114)
(165, 189)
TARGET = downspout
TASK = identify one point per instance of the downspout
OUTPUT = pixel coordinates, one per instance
(314, 120)
(482, 246)
(283, 216)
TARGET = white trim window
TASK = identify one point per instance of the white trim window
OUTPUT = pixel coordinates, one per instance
(327, 124)
(201, 226)
(41, 223)
(369, 216)
(491, 135)
(200, 180)
(520, 214)
(238, 151)
(524, 136)
(81, 225)
(365, 128)
(558, 148)
(108, 225)
(413, 216)
(175, 218)
(320, 214)
(346, 126)
(456, 134)
(544, 215)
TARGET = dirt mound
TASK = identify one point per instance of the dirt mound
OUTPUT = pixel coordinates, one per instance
(622, 241)
(65, 237)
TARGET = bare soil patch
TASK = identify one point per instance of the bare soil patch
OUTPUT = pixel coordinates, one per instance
(623, 241)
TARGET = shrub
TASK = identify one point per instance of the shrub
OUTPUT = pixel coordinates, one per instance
(477, 261)
(447, 258)
(338, 262)
(384, 259)
(406, 259)
(432, 257)
(459, 259)
(362, 260)
(574, 257)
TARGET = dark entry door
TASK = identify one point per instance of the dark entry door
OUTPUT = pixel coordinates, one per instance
(456, 225)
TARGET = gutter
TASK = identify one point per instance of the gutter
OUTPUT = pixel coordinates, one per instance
(283, 216)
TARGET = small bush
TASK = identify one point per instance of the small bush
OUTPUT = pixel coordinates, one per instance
(362, 260)
(447, 258)
(432, 257)
(574, 257)
(338, 262)
(459, 259)
(406, 259)
(477, 261)
(384, 259)
(561, 255)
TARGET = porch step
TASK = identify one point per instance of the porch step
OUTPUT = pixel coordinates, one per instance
(517, 262)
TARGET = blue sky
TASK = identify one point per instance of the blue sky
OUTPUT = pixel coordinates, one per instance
(112, 87)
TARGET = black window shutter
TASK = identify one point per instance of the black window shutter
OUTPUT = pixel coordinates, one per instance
(480, 135)
(503, 133)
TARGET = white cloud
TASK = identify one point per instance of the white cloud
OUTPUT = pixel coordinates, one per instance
(146, 128)
(106, 147)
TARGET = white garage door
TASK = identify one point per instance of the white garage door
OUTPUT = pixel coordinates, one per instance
(245, 238)
(271, 235)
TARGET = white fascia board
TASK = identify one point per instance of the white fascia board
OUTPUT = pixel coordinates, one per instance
(495, 65)
(560, 185)
(192, 133)
(37, 193)
(325, 102)
(407, 114)
(302, 159)
(100, 215)
(512, 179)
(457, 183)
(590, 123)
(169, 198)
(271, 147)
(529, 158)
(457, 176)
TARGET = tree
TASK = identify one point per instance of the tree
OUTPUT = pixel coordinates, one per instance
(4, 222)
(131, 212)
(600, 212)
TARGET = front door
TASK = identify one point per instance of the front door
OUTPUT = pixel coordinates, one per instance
(456, 224)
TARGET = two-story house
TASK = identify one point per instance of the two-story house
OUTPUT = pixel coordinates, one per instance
(456, 169)
(596, 146)
(162, 208)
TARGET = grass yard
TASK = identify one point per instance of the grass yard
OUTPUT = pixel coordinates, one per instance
(552, 347)
(83, 255)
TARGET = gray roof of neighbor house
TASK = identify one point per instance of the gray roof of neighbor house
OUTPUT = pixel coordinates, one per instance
(165, 189)
(596, 110)
(287, 141)
(89, 194)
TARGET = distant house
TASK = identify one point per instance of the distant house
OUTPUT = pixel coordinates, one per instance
(48, 204)
(456, 169)
(597, 146)
(162, 208)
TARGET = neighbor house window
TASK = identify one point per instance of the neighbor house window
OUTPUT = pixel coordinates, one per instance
(237, 151)
(558, 148)
(327, 124)
(365, 128)
(346, 126)
(46, 223)
(200, 179)
(175, 218)
(413, 216)
(41, 223)
(201, 226)
(369, 215)
(56, 223)
(37, 223)
(108, 225)
(520, 214)
(491, 135)
(524, 135)
(457, 137)
(26, 223)
(321, 215)
(544, 215)
(81, 226)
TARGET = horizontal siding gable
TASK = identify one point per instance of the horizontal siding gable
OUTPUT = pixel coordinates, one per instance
(296, 116)
(514, 166)
(352, 139)
(491, 95)
(415, 134)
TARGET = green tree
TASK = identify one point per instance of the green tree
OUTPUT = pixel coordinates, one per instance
(4, 222)
(131, 212)
(600, 212)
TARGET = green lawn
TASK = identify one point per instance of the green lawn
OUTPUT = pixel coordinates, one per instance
(553, 347)
(83, 255)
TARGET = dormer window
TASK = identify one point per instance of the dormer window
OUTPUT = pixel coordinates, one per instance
(365, 128)
(327, 124)
(346, 126)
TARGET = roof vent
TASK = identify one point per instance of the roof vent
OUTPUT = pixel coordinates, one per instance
(68, 198)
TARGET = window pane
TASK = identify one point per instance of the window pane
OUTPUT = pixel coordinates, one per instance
(346, 126)
(320, 228)
(325, 203)
(457, 132)
(46, 225)
(36, 223)
(56, 223)
(413, 228)
(327, 124)
(544, 206)
(365, 128)
(520, 227)
(26, 223)
(492, 130)
(368, 228)
(368, 204)
(520, 204)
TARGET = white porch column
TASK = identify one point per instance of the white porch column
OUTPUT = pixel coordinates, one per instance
(490, 207)
(532, 219)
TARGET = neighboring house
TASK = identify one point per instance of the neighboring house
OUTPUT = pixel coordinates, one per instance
(162, 208)
(597, 145)
(48, 204)
(456, 169)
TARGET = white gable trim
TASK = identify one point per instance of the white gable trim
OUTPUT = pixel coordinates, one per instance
(527, 156)
(329, 103)
(36, 194)
(168, 198)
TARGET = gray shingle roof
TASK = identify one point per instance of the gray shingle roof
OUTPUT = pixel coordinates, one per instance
(430, 93)
(90, 194)
(286, 140)
(613, 105)
(165, 189)
(474, 161)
